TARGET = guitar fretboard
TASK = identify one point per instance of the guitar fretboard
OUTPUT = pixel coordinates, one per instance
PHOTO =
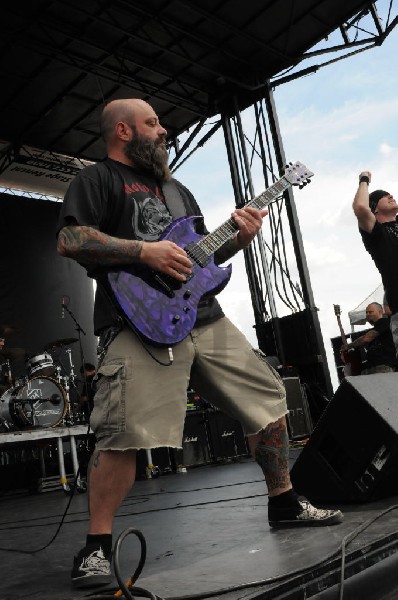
(210, 243)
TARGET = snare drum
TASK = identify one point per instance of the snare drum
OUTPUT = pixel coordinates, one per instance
(41, 402)
(41, 364)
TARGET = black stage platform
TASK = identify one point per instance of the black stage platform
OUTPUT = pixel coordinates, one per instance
(205, 530)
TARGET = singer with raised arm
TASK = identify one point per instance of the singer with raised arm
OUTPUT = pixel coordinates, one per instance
(113, 222)
(377, 220)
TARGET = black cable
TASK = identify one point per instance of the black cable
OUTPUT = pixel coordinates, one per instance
(19, 551)
(74, 487)
(351, 536)
(129, 589)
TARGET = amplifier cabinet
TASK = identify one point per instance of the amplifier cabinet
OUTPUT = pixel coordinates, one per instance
(298, 418)
(195, 440)
(227, 439)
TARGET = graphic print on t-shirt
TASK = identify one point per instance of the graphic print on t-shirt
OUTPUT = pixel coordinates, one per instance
(149, 214)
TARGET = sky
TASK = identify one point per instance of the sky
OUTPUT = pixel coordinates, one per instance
(339, 121)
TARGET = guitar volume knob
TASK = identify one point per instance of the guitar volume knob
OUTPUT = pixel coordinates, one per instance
(187, 294)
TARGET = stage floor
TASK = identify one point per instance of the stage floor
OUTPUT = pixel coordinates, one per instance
(205, 530)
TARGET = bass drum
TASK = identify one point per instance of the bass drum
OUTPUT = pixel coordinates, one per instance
(41, 402)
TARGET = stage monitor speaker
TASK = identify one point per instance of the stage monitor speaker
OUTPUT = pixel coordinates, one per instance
(352, 454)
(298, 418)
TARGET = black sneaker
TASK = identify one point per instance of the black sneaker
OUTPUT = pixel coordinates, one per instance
(308, 516)
(91, 567)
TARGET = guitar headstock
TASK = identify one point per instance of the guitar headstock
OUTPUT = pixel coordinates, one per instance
(337, 310)
(298, 174)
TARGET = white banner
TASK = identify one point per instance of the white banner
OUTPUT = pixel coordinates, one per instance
(38, 171)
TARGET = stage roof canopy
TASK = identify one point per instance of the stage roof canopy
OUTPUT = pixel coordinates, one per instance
(62, 59)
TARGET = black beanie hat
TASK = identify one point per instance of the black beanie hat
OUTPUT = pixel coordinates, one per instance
(374, 198)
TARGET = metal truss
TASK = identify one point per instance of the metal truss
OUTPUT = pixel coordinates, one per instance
(364, 31)
(279, 282)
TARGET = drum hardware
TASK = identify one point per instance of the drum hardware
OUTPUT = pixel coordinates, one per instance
(69, 416)
(21, 380)
(66, 381)
(8, 356)
(6, 373)
(58, 376)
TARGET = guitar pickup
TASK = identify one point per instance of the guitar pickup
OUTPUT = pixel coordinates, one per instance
(165, 282)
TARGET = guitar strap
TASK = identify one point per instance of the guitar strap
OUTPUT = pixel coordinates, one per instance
(173, 198)
(174, 201)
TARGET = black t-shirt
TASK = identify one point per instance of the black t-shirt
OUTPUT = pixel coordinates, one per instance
(382, 245)
(128, 204)
(381, 350)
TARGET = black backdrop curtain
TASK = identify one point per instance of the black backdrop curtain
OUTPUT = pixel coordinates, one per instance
(34, 278)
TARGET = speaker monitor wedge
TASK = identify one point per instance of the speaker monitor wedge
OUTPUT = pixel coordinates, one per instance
(352, 454)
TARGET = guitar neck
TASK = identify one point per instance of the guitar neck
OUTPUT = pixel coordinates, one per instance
(213, 241)
(343, 336)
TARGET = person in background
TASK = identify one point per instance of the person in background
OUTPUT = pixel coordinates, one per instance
(88, 390)
(377, 220)
(378, 343)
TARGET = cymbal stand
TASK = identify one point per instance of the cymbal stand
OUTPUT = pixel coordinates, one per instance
(65, 382)
(8, 374)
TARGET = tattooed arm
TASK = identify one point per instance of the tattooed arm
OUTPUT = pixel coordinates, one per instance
(91, 247)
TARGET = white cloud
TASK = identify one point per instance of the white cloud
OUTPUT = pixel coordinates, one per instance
(338, 126)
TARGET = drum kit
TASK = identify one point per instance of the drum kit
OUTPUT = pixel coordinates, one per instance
(42, 397)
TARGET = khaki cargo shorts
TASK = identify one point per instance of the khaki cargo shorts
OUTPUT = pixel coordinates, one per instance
(141, 399)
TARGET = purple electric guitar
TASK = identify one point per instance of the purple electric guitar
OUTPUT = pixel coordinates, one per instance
(160, 308)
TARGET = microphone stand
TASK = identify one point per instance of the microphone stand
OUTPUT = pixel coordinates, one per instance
(80, 331)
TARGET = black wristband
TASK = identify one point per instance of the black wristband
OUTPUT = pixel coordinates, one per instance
(364, 179)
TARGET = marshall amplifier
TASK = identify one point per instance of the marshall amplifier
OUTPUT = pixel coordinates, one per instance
(298, 418)
(227, 439)
(195, 441)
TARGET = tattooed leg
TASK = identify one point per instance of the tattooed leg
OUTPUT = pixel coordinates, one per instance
(111, 476)
(270, 448)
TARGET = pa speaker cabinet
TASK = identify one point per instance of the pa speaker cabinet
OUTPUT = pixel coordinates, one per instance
(227, 439)
(352, 454)
(298, 417)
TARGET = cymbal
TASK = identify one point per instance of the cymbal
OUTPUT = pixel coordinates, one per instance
(6, 330)
(12, 354)
(64, 342)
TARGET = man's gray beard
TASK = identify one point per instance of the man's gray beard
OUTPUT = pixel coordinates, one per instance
(149, 155)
